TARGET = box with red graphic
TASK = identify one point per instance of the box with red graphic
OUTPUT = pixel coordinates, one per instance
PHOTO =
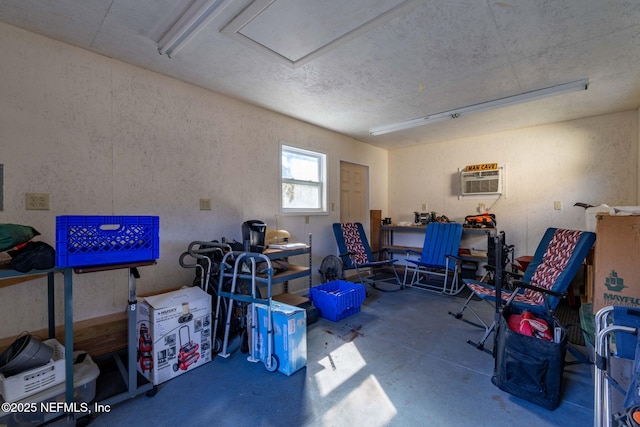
(174, 333)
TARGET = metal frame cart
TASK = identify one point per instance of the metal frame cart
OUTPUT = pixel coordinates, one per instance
(622, 324)
(129, 372)
(247, 260)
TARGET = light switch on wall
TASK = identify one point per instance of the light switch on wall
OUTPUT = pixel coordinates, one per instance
(557, 205)
(205, 204)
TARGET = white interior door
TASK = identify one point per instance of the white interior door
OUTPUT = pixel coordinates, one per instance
(354, 188)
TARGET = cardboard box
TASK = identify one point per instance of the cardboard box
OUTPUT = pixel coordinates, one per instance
(174, 333)
(617, 270)
(289, 336)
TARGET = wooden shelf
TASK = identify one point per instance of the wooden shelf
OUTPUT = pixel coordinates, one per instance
(10, 277)
(97, 336)
(401, 249)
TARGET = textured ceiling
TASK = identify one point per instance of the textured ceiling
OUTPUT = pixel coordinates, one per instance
(420, 57)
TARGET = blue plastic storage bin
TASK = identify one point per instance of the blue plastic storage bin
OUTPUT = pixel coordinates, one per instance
(98, 240)
(338, 299)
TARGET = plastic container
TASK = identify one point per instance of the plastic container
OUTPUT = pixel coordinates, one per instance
(35, 380)
(590, 216)
(85, 374)
(26, 352)
(99, 240)
(338, 299)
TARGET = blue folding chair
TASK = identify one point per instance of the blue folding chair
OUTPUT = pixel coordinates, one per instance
(438, 267)
(356, 253)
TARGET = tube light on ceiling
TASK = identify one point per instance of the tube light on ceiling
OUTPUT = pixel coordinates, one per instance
(199, 14)
(533, 95)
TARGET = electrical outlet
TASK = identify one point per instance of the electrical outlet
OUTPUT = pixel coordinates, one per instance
(205, 204)
(424, 207)
(37, 201)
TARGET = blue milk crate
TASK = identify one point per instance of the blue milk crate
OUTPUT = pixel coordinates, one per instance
(98, 240)
(338, 299)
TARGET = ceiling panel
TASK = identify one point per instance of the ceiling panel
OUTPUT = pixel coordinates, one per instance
(298, 31)
(421, 58)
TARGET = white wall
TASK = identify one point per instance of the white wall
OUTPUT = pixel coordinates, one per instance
(106, 138)
(593, 160)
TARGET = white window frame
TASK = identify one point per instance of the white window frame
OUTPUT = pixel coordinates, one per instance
(321, 182)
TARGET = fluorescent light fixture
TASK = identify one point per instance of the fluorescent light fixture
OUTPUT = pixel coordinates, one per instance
(199, 14)
(574, 86)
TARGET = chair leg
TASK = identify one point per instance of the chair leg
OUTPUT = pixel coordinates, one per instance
(423, 278)
(480, 344)
(404, 279)
(488, 329)
(361, 279)
(370, 281)
(395, 273)
(456, 287)
(483, 324)
(420, 274)
(414, 276)
(446, 281)
(458, 314)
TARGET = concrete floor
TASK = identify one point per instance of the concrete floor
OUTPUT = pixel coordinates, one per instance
(401, 361)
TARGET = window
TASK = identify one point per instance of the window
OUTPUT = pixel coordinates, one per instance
(303, 179)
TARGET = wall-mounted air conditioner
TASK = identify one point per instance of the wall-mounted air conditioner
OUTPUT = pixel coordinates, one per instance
(481, 182)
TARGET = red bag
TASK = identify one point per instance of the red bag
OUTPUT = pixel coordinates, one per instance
(529, 325)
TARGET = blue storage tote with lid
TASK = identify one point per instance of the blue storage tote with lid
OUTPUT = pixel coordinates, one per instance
(337, 299)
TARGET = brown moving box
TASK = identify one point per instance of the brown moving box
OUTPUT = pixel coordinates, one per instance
(617, 262)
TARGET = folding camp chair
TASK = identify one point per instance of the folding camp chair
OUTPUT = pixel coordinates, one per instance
(439, 258)
(617, 348)
(557, 259)
(356, 253)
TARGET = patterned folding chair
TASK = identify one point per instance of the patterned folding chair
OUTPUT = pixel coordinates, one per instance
(356, 253)
(557, 259)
